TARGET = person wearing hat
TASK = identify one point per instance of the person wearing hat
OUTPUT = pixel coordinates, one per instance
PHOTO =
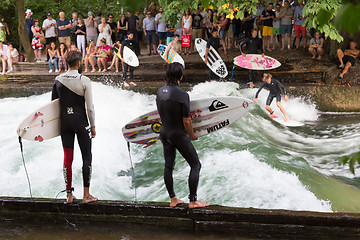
(29, 22)
(50, 28)
(91, 28)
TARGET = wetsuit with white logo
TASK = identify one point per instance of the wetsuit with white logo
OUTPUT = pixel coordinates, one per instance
(274, 88)
(173, 105)
(74, 92)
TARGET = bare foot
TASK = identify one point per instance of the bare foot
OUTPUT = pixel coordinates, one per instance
(132, 84)
(85, 70)
(175, 201)
(251, 85)
(70, 198)
(269, 49)
(93, 70)
(126, 84)
(89, 199)
(99, 69)
(313, 57)
(286, 119)
(198, 204)
(319, 57)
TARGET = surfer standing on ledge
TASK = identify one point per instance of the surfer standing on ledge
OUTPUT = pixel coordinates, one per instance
(74, 92)
(176, 132)
(274, 87)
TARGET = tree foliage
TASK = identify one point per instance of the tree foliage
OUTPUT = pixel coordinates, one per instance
(351, 160)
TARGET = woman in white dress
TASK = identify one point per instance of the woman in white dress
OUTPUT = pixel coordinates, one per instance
(105, 32)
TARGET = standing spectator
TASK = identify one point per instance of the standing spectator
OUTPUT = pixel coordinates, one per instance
(103, 54)
(98, 18)
(105, 32)
(12, 57)
(178, 24)
(90, 57)
(91, 28)
(197, 25)
(132, 21)
(299, 28)
(73, 22)
(222, 25)
(152, 9)
(170, 30)
(347, 58)
(113, 27)
(122, 26)
(286, 15)
(187, 29)
(64, 26)
(149, 28)
(2, 33)
(130, 43)
(267, 16)
(229, 30)
(248, 23)
(276, 26)
(204, 15)
(80, 32)
(161, 25)
(316, 46)
(139, 29)
(36, 43)
(257, 21)
(61, 53)
(50, 28)
(29, 22)
(53, 57)
(3, 57)
(6, 28)
(209, 23)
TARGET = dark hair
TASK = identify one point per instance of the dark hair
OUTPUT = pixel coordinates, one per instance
(72, 58)
(129, 32)
(110, 15)
(253, 30)
(99, 13)
(174, 73)
(213, 30)
(176, 35)
(35, 20)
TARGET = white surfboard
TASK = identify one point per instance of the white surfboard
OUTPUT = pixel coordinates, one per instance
(256, 62)
(215, 62)
(208, 115)
(130, 57)
(42, 124)
(290, 123)
(172, 55)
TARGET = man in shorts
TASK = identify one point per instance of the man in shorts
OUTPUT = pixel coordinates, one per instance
(276, 25)
(149, 27)
(161, 26)
(286, 15)
(50, 28)
(196, 27)
(64, 27)
(267, 16)
(298, 26)
(347, 58)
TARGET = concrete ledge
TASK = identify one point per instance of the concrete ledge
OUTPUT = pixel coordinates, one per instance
(245, 221)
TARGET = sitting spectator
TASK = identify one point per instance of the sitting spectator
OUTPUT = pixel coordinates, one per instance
(3, 56)
(80, 31)
(12, 57)
(61, 52)
(64, 26)
(105, 32)
(116, 56)
(73, 47)
(36, 43)
(53, 57)
(90, 57)
(29, 22)
(347, 58)
(103, 55)
(316, 46)
(170, 30)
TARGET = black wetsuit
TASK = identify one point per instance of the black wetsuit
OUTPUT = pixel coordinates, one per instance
(173, 105)
(130, 44)
(74, 91)
(253, 45)
(275, 90)
(215, 43)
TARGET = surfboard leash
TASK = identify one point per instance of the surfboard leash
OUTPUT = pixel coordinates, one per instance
(134, 177)
(68, 222)
(232, 73)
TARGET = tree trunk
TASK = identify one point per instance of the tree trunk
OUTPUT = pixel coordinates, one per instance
(24, 39)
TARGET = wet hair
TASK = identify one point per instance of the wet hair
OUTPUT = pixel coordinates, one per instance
(72, 58)
(266, 76)
(252, 30)
(174, 73)
(213, 30)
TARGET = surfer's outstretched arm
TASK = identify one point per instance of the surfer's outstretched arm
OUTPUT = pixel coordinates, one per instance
(258, 91)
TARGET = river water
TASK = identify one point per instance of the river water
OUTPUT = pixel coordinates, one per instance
(253, 163)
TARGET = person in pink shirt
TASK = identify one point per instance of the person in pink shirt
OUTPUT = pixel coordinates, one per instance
(103, 55)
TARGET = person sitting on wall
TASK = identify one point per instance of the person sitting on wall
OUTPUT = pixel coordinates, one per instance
(347, 58)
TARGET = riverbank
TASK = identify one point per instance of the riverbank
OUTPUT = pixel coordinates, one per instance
(244, 222)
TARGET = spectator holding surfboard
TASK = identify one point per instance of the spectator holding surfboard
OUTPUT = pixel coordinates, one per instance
(74, 92)
(176, 132)
(253, 44)
(274, 87)
(130, 43)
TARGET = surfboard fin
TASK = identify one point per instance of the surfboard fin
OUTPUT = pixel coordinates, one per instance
(38, 114)
(39, 138)
(151, 142)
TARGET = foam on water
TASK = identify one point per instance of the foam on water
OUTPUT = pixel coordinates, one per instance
(254, 163)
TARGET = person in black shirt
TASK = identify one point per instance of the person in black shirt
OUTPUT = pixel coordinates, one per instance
(213, 41)
(268, 16)
(274, 87)
(130, 43)
(253, 44)
(248, 23)
(132, 20)
(113, 27)
(176, 132)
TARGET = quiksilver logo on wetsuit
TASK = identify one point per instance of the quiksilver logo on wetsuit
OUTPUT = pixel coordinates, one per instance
(217, 105)
(218, 126)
